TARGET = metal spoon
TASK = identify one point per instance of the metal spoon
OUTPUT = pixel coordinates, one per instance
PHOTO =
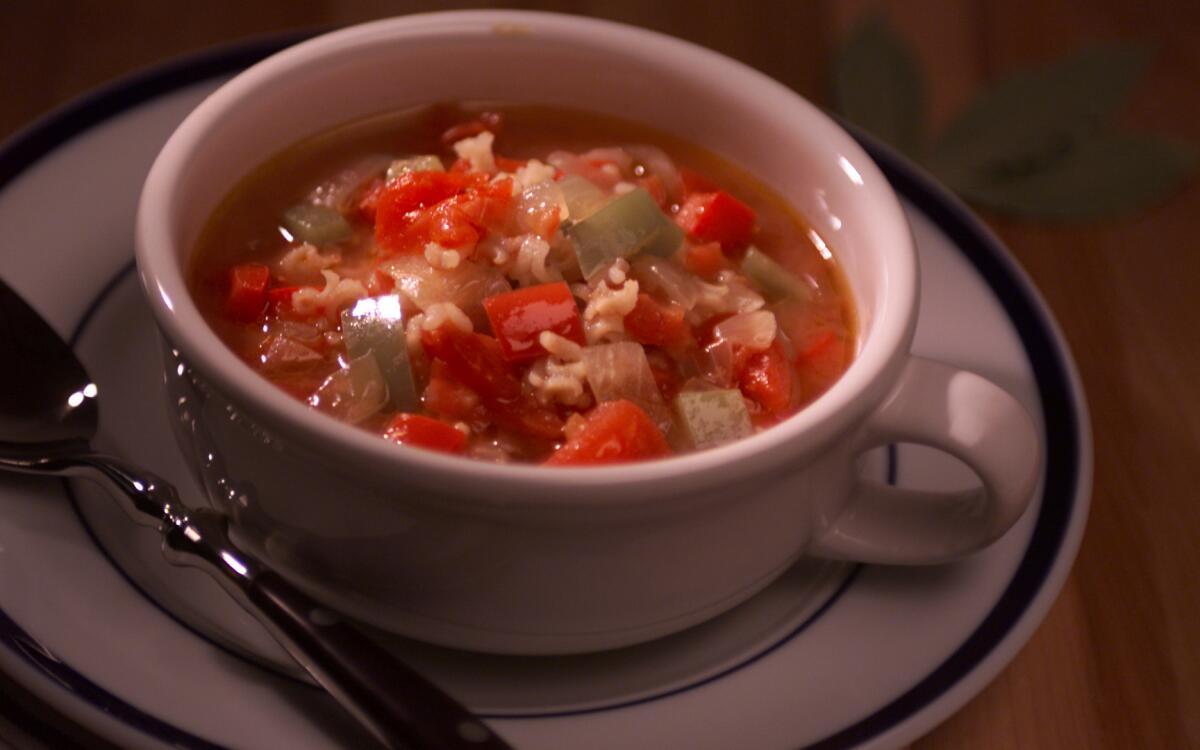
(48, 415)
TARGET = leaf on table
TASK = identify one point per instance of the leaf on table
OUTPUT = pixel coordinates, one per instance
(1104, 175)
(1032, 118)
(877, 85)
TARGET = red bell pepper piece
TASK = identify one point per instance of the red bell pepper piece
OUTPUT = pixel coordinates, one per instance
(247, 295)
(716, 217)
(615, 432)
(425, 432)
(519, 317)
(653, 323)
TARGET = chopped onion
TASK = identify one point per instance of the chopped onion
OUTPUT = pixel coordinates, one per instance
(753, 330)
(338, 192)
(621, 371)
(539, 208)
(280, 353)
(656, 162)
(660, 275)
(465, 285)
(581, 197)
(715, 363)
(618, 156)
(741, 297)
(354, 392)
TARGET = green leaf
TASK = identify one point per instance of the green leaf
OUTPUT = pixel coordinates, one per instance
(877, 85)
(1105, 175)
(1033, 118)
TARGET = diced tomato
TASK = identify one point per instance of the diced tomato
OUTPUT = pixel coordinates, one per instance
(447, 397)
(399, 207)
(451, 209)
(486, 204)
(716, 217)
(766, 379)
(666, 376)
(520, 316)
(475, 360)
(527, 417)
(653, 323)
(489, 121)
(694, 182)
(422, 189)
(705, 259)
(820, 362)
(615, 432)
(247, 295)
(653, 185)
(425, 432)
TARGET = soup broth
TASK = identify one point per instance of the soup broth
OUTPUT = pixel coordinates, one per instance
(516, 283)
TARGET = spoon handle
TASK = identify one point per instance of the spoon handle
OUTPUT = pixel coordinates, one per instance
(400, 707)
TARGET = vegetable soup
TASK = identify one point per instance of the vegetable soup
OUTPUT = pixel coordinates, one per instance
(524, 284)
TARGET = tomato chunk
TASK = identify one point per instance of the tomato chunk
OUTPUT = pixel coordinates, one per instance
(425, 432)
(820, 362)
(716, 217)
(486, 204)
(401, 204)
(705, 259)
(653, 323)
(766, 378)
(247, 295)
(520, 316)
(615, 432)
(528, 417)
(475, 360)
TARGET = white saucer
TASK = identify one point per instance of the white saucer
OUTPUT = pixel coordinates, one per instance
(830, 656)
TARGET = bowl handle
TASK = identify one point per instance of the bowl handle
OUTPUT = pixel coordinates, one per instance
(967, 416)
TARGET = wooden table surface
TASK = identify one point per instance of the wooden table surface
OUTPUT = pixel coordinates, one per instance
(1116, 664)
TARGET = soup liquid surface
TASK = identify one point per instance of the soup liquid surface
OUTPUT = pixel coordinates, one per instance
(540, 285)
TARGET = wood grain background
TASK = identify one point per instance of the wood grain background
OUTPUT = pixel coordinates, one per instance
(1116, 665)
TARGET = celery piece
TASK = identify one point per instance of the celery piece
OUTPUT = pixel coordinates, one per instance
(627, 225)
(581, 197)
(319, 225)
(423, 163)
(775, 281)
(712, 418)
(375, 326)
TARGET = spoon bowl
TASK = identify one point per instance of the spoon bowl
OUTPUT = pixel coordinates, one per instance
(45, 394)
